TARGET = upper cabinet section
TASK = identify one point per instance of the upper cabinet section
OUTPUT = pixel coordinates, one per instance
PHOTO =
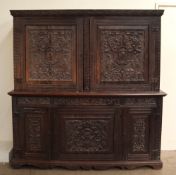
(87, 50)
(126, 53)
(48, 53)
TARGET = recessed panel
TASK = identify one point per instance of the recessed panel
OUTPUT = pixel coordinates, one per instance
(84, 133)
(121, 54)
(36, 132)
(88, 135)
(50, 53)
(139, 137)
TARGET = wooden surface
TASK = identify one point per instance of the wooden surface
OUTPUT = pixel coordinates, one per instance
(86, 89)
(108, 12)
(118, 94)
(168, 158)
(92, 53)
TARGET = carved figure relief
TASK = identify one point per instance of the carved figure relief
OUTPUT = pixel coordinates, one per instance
(139, 129)
(33, 133)
(121, 55)
(87, 135)
(50, 52)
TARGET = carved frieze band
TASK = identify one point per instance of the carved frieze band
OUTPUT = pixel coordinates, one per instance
(86, 101)
(33, 100)
(104, 101)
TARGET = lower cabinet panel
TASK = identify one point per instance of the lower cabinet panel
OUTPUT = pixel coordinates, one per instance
(85, 133)
(138, 132)
(33, 133)
(123, 131)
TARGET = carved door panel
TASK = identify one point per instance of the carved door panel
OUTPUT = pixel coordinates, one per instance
(50, 57)
(33, 133)
(122, 58)
(86, 133)
(139, 131)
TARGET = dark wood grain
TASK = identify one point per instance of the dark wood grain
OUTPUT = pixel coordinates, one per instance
(109, 12)
(107, 93)
(86, 89)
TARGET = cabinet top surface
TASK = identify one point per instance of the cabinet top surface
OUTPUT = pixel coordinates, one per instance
(99, 94)
(21, 13)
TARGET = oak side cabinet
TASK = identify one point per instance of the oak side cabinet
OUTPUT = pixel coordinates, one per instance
(86, 89)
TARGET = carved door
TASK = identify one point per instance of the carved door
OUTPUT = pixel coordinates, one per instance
(31, 132)
(122, 58)
(139, 132)
(50, 56)
(86, 133)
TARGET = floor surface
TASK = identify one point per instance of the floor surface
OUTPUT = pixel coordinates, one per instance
(168, 158)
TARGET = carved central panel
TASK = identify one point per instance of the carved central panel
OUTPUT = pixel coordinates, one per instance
(121, 55)
(50, 52)
(88, 135)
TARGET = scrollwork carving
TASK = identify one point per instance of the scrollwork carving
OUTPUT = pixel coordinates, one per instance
(87, 135)
(34, 133)
(119, 101)
(33, 100)
(50, 52)
(86, 101)
(122, 55)
(139, 101)
(139, 129)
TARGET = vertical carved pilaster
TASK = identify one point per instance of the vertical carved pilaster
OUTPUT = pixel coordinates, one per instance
(139, 135)
(33, 133)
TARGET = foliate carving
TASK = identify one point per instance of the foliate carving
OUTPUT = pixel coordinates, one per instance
(33, 100)
(50, 51)
(139, 130)
(33, 133)
(119, 101)
(139, 101)
(123, 101)
(86, 135)
(87, 101)
(122, 55)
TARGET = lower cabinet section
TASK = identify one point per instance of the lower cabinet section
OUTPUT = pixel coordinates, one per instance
(87, 132)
